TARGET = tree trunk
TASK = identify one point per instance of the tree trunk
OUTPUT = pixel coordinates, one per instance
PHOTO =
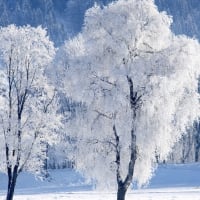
(196, 154)
(196, 141)
(135, 100)
(197, 147)
(10, 192)
(12, 179)
(121, 192)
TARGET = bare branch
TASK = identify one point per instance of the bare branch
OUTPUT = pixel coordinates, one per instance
(105, 80)
(49, 103)
(104, 115)
(118, 158)
(29, 154)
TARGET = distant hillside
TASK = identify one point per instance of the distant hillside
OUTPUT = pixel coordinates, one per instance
(64, 18)
(186, 15)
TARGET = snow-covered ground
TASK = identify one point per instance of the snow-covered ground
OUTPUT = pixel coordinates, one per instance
(171, 182)
(142, 195)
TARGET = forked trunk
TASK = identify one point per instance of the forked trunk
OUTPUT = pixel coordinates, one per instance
(123, 185)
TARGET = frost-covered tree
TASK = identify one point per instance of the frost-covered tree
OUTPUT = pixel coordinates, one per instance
(28, 119)
(139, 84)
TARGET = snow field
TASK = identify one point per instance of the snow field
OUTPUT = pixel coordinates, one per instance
(158, 194)
(171, 182)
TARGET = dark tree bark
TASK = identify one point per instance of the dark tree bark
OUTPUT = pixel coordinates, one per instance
(123, 185)
(196, 140)
(121, 192)
(12, 179)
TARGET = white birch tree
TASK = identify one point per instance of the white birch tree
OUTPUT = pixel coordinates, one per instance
(28, 120)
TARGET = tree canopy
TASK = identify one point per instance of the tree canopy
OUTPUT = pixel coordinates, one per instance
(28, 119)
(130, 41)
